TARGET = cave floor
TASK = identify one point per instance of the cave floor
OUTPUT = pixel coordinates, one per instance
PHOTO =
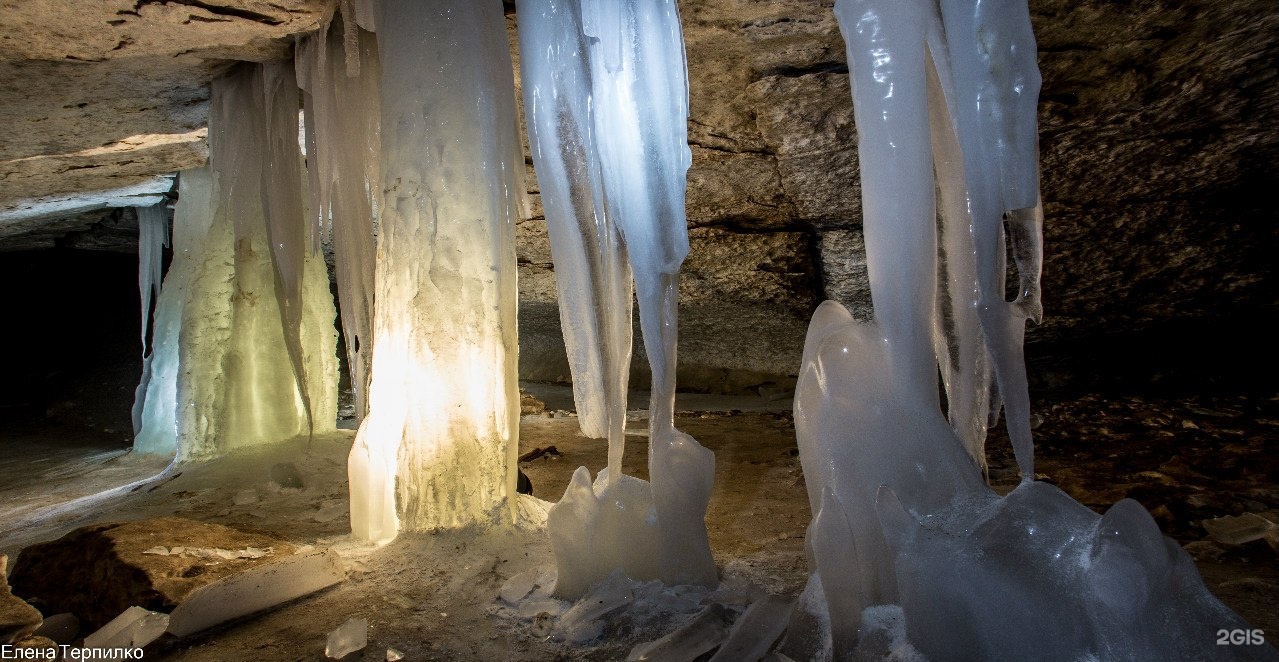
(434, 597)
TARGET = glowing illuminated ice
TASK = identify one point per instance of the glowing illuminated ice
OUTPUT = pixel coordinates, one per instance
(438, 448)
(244, 347)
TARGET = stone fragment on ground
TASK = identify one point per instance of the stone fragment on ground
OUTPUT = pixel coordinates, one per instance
(98, 572)
(17, 618)
(256, 589)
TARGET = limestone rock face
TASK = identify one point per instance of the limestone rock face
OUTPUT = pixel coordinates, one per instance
(98, 571)
(17, 618)
(104, 94)
(1159, 127)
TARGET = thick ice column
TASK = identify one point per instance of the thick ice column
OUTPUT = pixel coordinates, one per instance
(996, 88)
(640, 87)
(438, 447)
(343, 162)
(234, 383)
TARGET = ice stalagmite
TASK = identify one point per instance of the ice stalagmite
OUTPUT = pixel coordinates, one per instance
(438, 446)
(606, 94)
(342, 121)
(902, 515)
(233, 382)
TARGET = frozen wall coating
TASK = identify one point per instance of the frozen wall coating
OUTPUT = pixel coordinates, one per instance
(153, 237)
(606, 94)
(901, 513)
(251, 308)
(438, 447)
(343, 159)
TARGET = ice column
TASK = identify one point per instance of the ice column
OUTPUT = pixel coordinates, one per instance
(901, 513)
(438, 446)
(153, 237)
(607, 97)
(250, 319)
(342, 120)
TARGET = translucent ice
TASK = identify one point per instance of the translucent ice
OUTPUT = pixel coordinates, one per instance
(966, 566)
(693, 639)
(351, 636)
(256, 589)
(153, 237)
(343, 161)
(755, 632)
(944, 102)
(591, 270)
(1239, 529)
(582, 622)
(607, 102)
(437, 448)
(233, 363)
(134, 628)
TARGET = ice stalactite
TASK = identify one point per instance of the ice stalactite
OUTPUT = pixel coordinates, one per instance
(242, 282)
(606, 94)
(991, 52)
(944, 100)
(343, 162)
(153, 238)
(438, 447)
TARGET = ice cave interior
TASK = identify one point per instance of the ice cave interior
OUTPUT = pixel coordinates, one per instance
(639, 329)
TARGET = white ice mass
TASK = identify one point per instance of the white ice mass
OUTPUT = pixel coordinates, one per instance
(944, 98)
(243, 350)
(438, 446)
(606, 96)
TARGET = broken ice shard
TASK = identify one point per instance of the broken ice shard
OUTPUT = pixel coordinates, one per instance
(349, 637)
(134, 628)
(688, 642)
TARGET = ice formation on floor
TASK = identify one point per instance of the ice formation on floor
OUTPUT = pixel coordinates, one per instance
(438, 446)
(944, 99)
(244, 347)
(606, 95)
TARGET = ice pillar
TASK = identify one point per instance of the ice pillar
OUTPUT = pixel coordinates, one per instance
(153, 237)
(250, 318)
(606, 94)
(438, 447)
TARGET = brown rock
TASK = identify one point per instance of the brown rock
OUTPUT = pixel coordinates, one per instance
(97, 572)
(36, 642)
(17, 618)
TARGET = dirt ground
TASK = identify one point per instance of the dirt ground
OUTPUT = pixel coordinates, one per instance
(435, 596)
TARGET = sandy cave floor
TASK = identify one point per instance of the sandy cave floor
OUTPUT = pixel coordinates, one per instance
(434, 597)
